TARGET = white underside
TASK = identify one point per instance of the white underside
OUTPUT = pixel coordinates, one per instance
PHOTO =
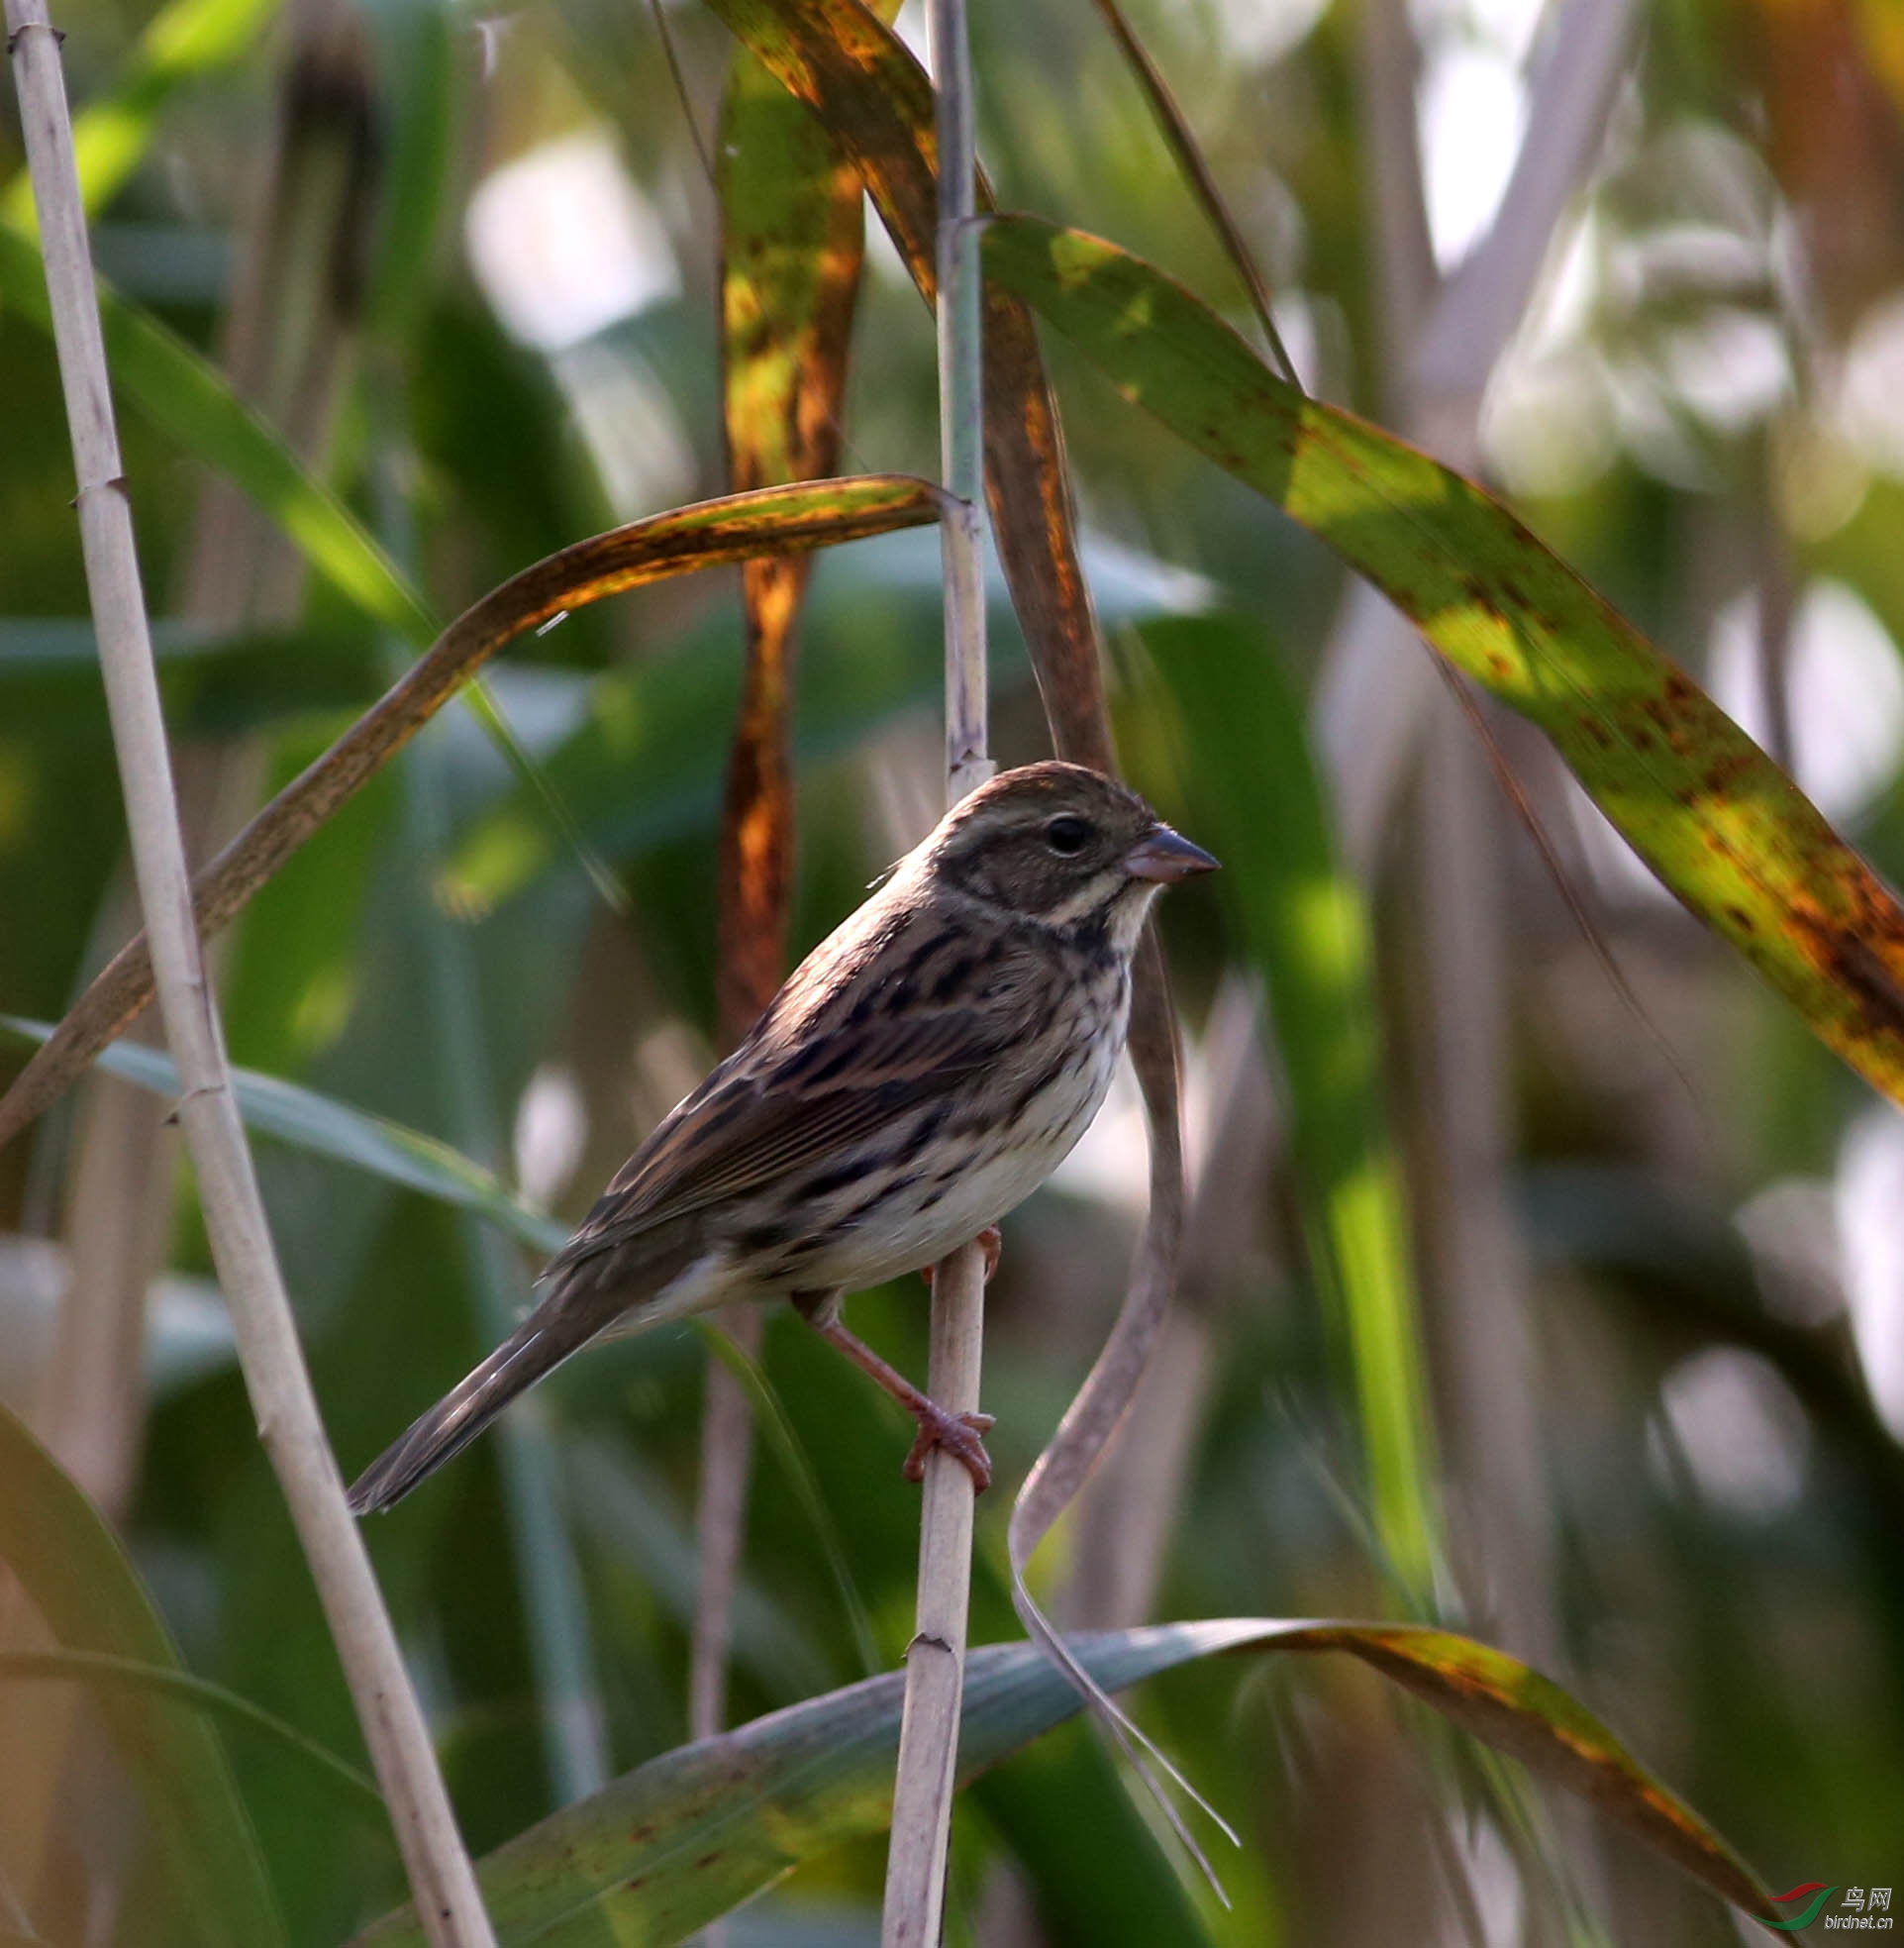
(982, 1196)
(990, 1186)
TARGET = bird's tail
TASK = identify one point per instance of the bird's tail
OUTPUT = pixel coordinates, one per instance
(542, 1342)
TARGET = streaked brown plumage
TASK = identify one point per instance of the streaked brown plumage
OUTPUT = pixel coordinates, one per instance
(922, 1071)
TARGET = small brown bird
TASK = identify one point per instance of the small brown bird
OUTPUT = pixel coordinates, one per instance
(923, 1070)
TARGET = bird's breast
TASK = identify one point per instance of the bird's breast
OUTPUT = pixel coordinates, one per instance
(948, 1166)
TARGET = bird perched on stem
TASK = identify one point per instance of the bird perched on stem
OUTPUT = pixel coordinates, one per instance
(923, 1070)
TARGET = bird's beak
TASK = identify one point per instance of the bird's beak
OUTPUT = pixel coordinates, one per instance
(1167, 855)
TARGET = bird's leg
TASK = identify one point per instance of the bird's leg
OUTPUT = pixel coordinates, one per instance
(989, 1242)
(960, 1434)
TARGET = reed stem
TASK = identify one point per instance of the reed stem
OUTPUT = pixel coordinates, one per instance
(441, 1875)
(926, 1775)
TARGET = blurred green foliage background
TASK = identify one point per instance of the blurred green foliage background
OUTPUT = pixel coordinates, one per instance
(467, 264)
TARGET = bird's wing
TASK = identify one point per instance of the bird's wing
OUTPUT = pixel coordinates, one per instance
(781, 1102)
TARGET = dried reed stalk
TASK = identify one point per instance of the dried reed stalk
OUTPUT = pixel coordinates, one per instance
(441, 1875)
(936, 1660)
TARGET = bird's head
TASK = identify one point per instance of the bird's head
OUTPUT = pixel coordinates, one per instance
(1063, 846)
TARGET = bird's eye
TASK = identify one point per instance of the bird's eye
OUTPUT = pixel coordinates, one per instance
(1067, 837)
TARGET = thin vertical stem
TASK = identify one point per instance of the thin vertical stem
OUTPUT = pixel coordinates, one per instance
(289, 1425)
(1176, 132)
(936, 1660)
(961, 431)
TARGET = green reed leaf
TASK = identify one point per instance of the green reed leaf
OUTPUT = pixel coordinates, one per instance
(683, 1839)
(1714, 818)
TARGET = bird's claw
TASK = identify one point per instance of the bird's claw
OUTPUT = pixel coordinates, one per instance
(960, 1434)
(989, 1242)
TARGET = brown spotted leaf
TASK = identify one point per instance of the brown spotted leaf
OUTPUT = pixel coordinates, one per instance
(1515, 1709)
(792, 241)
(1719, 823)
(862, 81)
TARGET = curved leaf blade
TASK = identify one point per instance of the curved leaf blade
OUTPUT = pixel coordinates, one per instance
(1716, 820)
(641, 764)
(84, 1586)
(683, 1839)
(774, 520)
(1514, 1709)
